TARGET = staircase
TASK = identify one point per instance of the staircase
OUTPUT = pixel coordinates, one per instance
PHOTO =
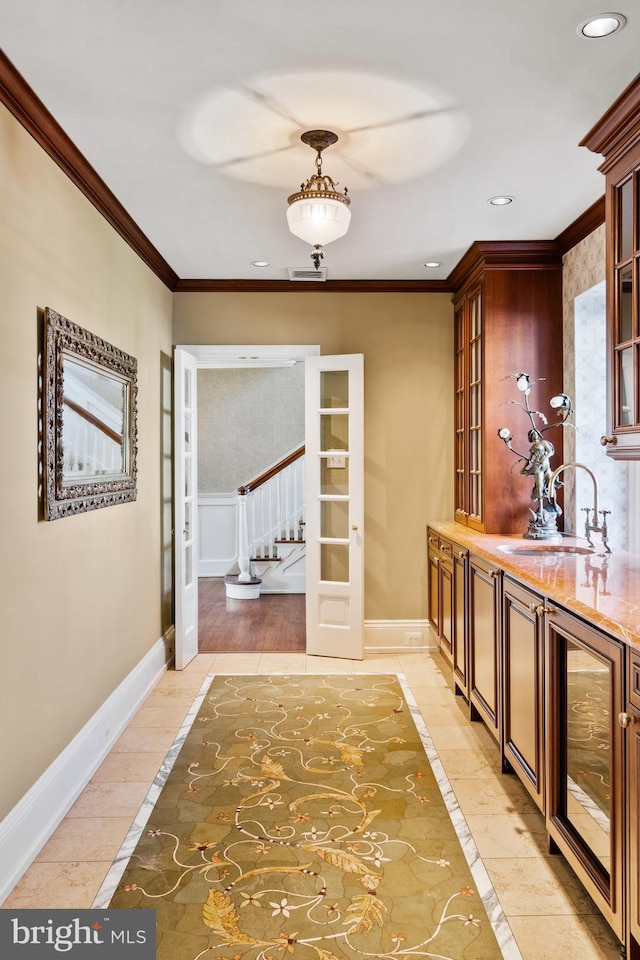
(270, 537)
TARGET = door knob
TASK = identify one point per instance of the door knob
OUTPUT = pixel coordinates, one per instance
(608, 440)
(354, 526)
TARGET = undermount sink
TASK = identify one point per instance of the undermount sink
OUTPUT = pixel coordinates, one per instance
(536, 549)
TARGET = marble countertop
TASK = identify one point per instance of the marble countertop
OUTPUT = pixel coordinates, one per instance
(603, 589)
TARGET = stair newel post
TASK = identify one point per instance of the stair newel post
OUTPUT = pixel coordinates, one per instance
(244, 560)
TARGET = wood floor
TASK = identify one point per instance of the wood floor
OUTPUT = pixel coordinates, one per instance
(274, 623)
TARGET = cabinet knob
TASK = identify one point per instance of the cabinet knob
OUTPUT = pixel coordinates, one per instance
(493, 574)
(436, 561)
(462, 554)
(541, 610)
(624, 719)
(433, 540)
(533, 607)
(605, 441)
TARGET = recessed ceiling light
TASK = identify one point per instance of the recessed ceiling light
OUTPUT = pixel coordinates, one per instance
(603, 25)
(260, 263)
(500, 201)
(433, 263)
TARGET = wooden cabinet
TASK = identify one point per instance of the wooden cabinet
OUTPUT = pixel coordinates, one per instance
(585, 750)
(508, 319)
(448, 603)
(485, 675)
(523, 702)
(631, 720)
(617, 137)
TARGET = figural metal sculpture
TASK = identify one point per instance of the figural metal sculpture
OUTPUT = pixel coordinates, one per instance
(537, 462)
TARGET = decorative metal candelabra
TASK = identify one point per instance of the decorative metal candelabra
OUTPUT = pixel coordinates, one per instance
(537, 462)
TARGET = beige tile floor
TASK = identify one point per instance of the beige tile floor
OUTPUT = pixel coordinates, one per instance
(551, 916)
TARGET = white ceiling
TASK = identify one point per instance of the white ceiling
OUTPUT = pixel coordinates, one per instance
(191, 112)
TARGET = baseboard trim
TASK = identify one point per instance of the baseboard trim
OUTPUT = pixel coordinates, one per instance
(26, 829)
(392, 636)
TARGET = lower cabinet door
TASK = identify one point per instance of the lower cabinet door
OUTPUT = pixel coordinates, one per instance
(633, 836)
(631, 722)
(446, 588)
(585, 750)
(460, 641)
(484, 644)
(523, 686)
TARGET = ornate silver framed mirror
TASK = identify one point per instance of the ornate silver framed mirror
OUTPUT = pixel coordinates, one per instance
(89, 433)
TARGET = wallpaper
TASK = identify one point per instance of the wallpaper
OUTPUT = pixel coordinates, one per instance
(247, 420)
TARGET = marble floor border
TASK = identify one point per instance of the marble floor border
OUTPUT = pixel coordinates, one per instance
(497, 919)
(119, 865)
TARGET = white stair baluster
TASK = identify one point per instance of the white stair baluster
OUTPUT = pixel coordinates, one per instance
(243, 541)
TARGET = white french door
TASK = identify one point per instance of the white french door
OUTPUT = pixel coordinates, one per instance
(334, 509)
(186, 506)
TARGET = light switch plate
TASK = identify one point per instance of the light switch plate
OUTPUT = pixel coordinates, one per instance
(336, 462)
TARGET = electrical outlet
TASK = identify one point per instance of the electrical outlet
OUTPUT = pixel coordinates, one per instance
(413, 637)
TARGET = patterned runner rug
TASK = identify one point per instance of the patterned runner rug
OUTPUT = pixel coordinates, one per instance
(300, 816)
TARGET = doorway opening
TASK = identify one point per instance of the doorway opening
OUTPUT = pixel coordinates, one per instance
(250, 417)
(332, 502)
(249, 408)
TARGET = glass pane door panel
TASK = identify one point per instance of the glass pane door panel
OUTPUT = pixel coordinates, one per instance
(187, 480)
(476, 495)
(334, 431)
(625, 304)
(334, 519)
(334, 388)
(188, 563)
(587, 696)
(334, 480)
(625, 240)
(187, 519)
(334, 562)
(187, 432)
(627, 412)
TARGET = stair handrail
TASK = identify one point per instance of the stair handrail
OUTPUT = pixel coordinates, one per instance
(270, 472)
(245, 492)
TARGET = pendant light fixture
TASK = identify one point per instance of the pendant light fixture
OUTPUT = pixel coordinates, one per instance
(319, 213)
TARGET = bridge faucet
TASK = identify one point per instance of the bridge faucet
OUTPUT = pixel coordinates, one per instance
(590, 527)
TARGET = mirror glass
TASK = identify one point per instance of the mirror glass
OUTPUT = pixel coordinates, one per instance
(588, 756)
(94, 421)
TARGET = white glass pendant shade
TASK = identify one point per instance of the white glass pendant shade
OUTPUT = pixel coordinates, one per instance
(318, 220)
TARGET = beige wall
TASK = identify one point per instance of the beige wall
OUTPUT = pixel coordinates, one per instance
(407, 342)
(80, 596)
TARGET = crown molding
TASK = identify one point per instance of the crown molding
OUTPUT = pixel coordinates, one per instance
(505, 255)
(618, 128)
(581, 227)
(325, 286)
(29, 110)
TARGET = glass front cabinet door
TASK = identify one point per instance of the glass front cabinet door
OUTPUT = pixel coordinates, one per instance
(616, 136)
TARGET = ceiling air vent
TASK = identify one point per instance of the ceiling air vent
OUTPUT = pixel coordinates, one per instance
(313, 276)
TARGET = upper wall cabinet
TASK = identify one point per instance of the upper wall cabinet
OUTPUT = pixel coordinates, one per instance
(617, 137)
(508, 319)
